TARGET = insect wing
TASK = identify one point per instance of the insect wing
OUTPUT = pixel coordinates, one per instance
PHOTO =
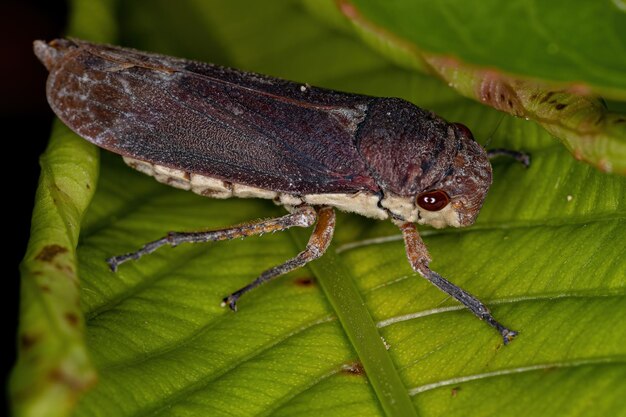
(205, 119)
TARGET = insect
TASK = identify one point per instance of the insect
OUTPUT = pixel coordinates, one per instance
(222, 133)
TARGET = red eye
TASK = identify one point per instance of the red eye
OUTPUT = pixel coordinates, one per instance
(433, 200)
(464, 130)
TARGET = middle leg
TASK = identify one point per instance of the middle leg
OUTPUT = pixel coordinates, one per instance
(318, 243)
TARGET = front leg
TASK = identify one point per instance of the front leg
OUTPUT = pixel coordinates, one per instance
(419, 259)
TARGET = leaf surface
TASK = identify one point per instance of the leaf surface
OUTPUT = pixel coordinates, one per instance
(545, 255)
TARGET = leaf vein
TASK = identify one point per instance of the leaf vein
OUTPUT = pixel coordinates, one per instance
(511, 371)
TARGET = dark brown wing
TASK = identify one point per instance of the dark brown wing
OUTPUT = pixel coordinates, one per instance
(241, 127)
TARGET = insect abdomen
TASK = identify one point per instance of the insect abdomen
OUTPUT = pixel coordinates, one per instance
(365, 204)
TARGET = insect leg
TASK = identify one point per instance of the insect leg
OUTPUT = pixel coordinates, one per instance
(318, 243)
(419, 258)
(303, 216)
(521, 157)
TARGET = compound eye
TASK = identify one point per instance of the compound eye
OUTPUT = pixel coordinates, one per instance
(433, 200)
(464, 130)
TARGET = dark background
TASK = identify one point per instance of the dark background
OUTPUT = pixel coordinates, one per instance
(26, 121)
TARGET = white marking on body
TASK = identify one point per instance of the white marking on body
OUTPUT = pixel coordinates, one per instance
(403, 207)
(174, 177)
(259, 79)
(447, 216)
(141, 166)
(288, 200)
(361, 203)
(349, 117)
(210, 187)
(126, 86)
(245, 191)
(62, 92)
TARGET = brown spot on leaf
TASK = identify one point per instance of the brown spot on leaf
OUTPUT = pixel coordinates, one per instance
(605, 166)
(620, 120)
(72, 319)
(547, 97)
(560, 106)
(67, 269)
(580, 89)
(48, 253)
(304, 281)
(578, 155)
(348, 9)
(496, 91)
(455, 391)
(549, 369)
(88, 186)
(27, 340)
(353, 368)
(73, 381)
(45, 288)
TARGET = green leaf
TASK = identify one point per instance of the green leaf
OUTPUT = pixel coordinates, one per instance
(529, 62)
(543, 40)
(545, 255)
(53, 366)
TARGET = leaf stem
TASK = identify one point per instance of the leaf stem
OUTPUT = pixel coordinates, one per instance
(343, 295)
